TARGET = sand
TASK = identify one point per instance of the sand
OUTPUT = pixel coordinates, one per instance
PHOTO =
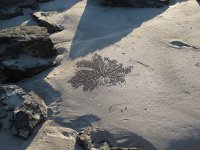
(158, 106)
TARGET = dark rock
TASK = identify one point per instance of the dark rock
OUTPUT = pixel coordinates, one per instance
(8, 3)
(98, 139)
(23, 67)
(1, 125)
(33, 4)
(84, 140)
(29, 110)
(24, 52)
(43, 1)
(134, 3)
(9, 8)
(22, 3)
(30, 40)
(121, 148)
(10, 12)
(48, 20)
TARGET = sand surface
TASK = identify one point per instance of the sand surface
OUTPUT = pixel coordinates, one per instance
(159, 105)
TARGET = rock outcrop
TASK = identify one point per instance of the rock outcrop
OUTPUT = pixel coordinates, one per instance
(13, 8)
(98, 139)
(24, 52)
(7, 13)
(50, 20)
(20, 111)
(134, 3)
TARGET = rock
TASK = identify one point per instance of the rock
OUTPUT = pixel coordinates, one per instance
(13, 8)
(30, 40)
(33, 4)
(134, 3)
(120, 148)
(50, 20)
(15, 69)
(43, 1)
(24, 52)
(95, 138)
(84, 140)
(105, 146)
(28, 110)
(10, 12)
(1, 125)
(8, 3)
(21, 3)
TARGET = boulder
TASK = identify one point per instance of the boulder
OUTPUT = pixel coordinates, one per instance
(31, 40)
(13, 8)
(24, 52)
(25, 3)
(95, 138)
(50, 20)
(10, 12)
(15, 69)
(24, 110)
(8, 3)
(33, 4)
(134, 3)
(84, 140)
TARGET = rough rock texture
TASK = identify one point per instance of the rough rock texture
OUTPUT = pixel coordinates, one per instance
(33, 4)
(7, 13)
(20, 111)
(30, 40)
(10, 8)
(25, 51)
(84, 140)
(7, 3)
(49, 20)
(25, 3)
(135, 3)
(98, 139)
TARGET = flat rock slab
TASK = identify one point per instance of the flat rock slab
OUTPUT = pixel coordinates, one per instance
(134, 3)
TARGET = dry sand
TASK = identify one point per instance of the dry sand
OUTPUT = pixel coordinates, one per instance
(158, 107)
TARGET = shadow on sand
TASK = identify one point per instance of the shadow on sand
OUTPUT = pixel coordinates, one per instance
(191, 142)
(115, 138)
(101, 26)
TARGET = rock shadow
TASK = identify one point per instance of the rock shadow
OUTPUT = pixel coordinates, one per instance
(129, 139)
(14, 142)
(58, 5)
(101, 26)
(79, 123)
(38, 85)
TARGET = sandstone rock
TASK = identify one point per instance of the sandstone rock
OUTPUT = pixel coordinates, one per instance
(15, 69)
(134, 3)
(30, 40)
(49, 20)
(105, 146)
(28, 110)
(10, 12)
(24, 52)
(84, 140)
